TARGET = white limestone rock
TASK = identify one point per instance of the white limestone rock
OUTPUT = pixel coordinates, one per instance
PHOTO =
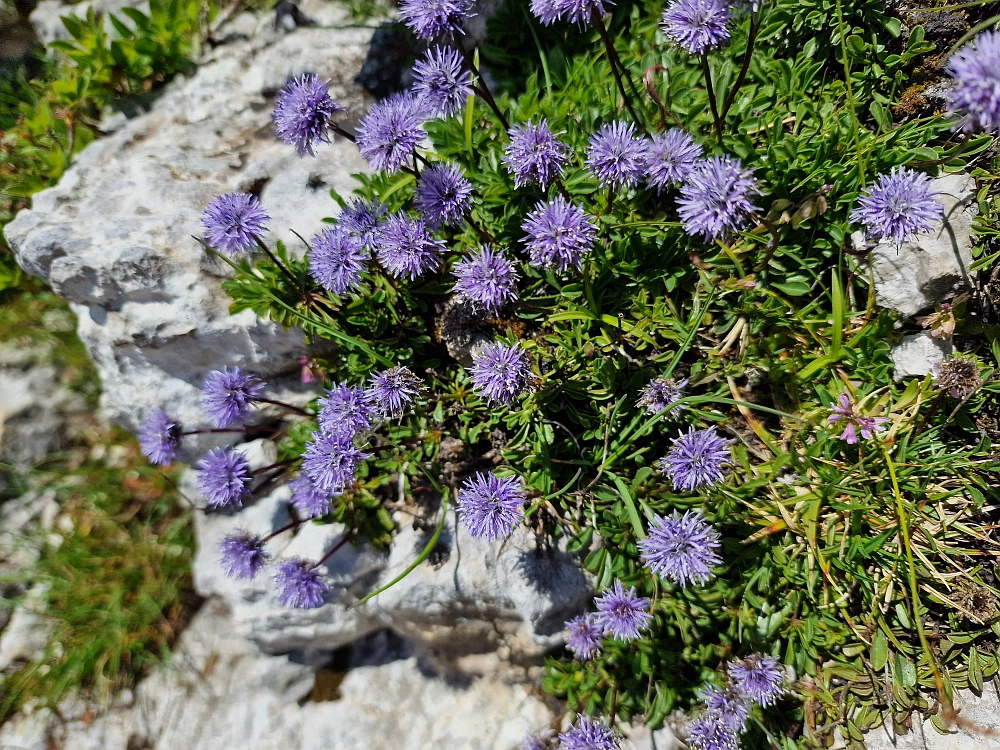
(917, 355)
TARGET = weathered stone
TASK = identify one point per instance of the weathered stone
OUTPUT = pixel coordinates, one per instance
(917, 355)
(27, 633)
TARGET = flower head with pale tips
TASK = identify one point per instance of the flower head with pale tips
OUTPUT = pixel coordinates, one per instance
(487, 279)
(394, 390)
(502, 372)
(235, 223)
(224, 478)
(299, 584)
(160, 437)
(303, 113)
(490, 506)
(243, 555)
(623, 614)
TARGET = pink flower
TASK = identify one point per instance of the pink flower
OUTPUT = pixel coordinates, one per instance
(855, 422)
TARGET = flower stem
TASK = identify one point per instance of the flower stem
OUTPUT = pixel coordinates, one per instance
(344, 540)
(208, 431)
(276, 465)
(283, 405)
(598, 23)
(711, 97)
(286, 527)
(341, 132)
(278, 263)
(731, 97)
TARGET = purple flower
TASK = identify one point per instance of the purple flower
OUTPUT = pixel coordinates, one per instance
(589, 735)
(303, 112)
(346, 411)
(670, 158)
(243, 555)
(758, 678)
(443, 195)
(897, 206)
(681, 548)
(697, 25)
(854, 422)
(433, 18)
(559, 234)
(361, 218)
(584, 636)
(715, 198)
(227, 395)
(616, 157)
(331, 461)
(490, 506)
(393, 390)
(487, 279)
(224, 478)
(726, 704)
(299, 584)
(695, 459)
(711, 733)
(337, 259)
(976, 70)
(309, 500)
(441, 78)
(388, 135)
(160, 437)
(659, 393)
(622, 614)
(405, 247)
(534, 155)
(502, 372)
(235, 222)
(573, 11)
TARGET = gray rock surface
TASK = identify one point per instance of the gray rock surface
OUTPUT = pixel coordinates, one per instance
(917, 355)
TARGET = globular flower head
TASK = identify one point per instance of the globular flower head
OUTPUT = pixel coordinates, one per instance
(433, 18)
(299, 584)
(695, 459)
(616, 157)
(361, 219)
(715, 198)
(502, 372)
(243, 555)
(558, 235)
(534, 155)
(228, 394)
(388, 135)
(393, 390)
(443, 195)
(711, 733)
(659, 393)
(697, 25)
(573, 11)
(854, 421)
(337, 259)
(758, 678)
(622, 614)
(405, 247)
(487, 279)
(589, 735)
(309, 500)
(234, 223)
(681, 548)
(584, 636)
(303, 113)
(441, 78)
(976, 95)
(957, 375)
(727, 705)
(224, 478)
(160, 437)
(347, 411)
(490, 506)
(670, 157)
(331, 461)
(897, 206)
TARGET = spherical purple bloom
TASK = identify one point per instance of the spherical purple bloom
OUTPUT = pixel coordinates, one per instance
(331, 461)
(443, 195)
(388, 135)
(393, 390)
(758, 678)
(405, 247)
(589, 735)
(584, 636)
(501, 372)
(228, 394)
(711, 733)
(303, 112)
(299, 584)
(976, 95)
(616, 157)
(659, 393)
(681, 548)
(346, 411)
(534, 155)
(309, 500)
(487, 279)
(490, 506)
(697, 25)
(696, 459)
(433, 18)
(670, 158)
(441, 78)
(361, 218)
(235, 222)
(854, 422)
(559, 234)
(573, 11)
(622, 614)
(337, 259)
(715, 198)
(243, 555)
(726, 704)
(160, 437)
(897, 206)
(224, 478)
